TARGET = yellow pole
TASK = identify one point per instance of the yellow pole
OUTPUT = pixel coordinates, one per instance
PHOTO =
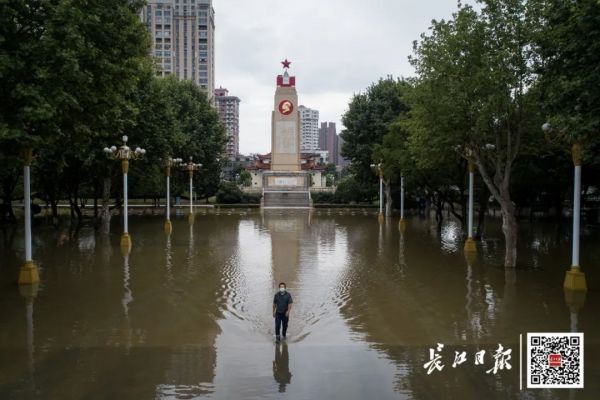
(125, 238)
(168, 225)
(574, 278)
(28, 275)
(470, 246)
(380, 217)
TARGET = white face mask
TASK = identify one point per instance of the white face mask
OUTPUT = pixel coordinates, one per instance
(282, 290)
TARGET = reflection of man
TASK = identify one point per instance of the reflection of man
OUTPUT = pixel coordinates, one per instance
(282, 305)
(281, 366)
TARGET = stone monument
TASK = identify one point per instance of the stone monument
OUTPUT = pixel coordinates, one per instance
(285, 185)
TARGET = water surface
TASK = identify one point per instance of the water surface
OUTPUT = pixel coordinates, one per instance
(189, 315)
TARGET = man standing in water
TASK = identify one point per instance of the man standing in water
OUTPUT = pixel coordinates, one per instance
(282, 305)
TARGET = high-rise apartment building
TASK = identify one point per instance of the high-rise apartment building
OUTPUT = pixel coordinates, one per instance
(328, 140)
(229, 111)
(309, 129)
(183, 37)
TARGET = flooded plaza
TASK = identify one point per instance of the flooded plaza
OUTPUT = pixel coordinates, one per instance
(189, 315)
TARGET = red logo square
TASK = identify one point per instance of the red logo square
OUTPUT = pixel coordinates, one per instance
(554, 360)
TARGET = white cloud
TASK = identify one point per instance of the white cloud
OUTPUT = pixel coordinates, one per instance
(337, 48)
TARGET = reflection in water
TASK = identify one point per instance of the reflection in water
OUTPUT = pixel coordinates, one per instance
(169, 261)
(29, 294)
(401, 255)
(281, 366)
(368, 306)
(127, 293)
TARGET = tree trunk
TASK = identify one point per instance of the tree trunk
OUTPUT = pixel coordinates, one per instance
(105, 213)
(8, 186)
(509, 228)
(499, 188)
(483, 205)
(439, 208)
(388, 198)
(75, 210)
(54, 207)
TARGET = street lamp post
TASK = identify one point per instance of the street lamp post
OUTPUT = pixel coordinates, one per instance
(28, 275)
(124, 153)
(470, 246)
(379, 170)
(169, 162)
(574, 278)
(402, 222)
(191, 167)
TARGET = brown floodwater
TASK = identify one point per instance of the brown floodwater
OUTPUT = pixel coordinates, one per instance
(189, 315)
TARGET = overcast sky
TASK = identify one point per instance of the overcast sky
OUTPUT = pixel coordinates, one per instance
(337, 48)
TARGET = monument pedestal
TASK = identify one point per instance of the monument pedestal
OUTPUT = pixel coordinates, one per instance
(286, 189)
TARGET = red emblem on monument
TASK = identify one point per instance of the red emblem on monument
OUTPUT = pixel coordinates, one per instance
(286, 107)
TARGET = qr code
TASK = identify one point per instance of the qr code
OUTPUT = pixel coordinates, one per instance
(554, 360)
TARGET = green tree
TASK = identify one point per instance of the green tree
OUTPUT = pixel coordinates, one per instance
(67, 69)
(473, 78)
(367, 121)
(229, 193)
(567, 43)
(245, 178)
(176, 119)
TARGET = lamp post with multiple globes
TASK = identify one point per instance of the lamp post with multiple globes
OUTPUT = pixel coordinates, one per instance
(28, 275)
(169, 163)
(379, 170)
(190, 166)
(574, 278)
(124, 153)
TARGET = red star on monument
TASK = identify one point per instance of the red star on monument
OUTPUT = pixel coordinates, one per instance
(286, 63)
